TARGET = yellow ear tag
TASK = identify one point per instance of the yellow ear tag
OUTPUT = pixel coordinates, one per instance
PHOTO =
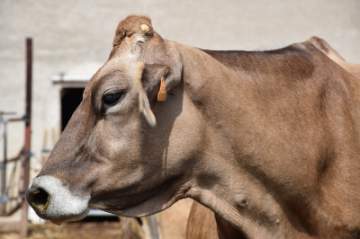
(162, 94)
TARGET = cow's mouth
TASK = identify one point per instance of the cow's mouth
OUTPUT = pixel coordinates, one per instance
(141, 204)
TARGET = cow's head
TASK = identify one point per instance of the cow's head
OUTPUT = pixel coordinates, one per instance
(127, 149)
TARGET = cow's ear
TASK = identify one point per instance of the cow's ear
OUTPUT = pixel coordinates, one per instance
(154, 80)
(145, 80)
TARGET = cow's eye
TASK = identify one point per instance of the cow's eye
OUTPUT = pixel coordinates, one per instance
(111, 98)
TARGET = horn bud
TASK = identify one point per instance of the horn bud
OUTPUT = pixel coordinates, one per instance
(144, 28)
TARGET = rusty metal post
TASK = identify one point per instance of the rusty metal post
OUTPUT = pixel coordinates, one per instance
(27, 140)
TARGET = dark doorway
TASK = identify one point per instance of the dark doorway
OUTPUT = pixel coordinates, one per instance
(70, 99)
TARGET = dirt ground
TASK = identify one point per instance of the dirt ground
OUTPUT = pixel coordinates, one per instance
(88, 230)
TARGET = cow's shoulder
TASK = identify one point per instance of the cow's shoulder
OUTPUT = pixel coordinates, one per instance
(326, 48)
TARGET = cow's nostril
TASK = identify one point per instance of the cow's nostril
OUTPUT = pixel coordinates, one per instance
(38, 198)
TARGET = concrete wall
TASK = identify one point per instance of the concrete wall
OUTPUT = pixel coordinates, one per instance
(77, 34)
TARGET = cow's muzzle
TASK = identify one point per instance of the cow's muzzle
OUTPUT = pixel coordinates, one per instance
(52, 199)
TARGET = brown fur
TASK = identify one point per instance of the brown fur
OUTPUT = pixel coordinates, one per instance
(232, 59)
(268, 140)
(330, 52)
(129, 26)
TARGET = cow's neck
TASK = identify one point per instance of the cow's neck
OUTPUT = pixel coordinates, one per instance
(227, 186)
(234, 194)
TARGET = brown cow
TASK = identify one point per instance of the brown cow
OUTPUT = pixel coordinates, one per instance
(268, 140)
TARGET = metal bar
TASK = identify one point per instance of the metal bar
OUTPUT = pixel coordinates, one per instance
(4, 163)
(2, 195)
(13, 209)
(7, 113)
(4, 167)
(16, 119)
(27, 140)
(14, 159)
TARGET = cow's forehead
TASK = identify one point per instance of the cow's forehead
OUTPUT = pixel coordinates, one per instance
(112, 65)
